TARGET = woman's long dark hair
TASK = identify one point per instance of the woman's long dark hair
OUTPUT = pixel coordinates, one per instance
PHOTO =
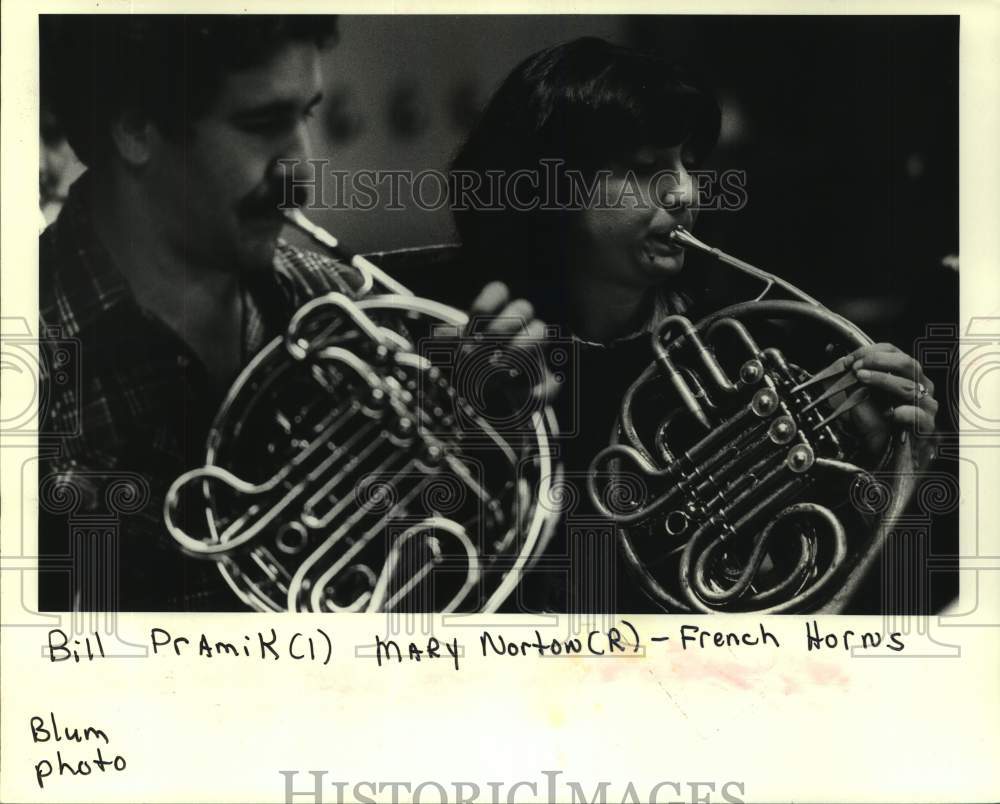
(584, 104)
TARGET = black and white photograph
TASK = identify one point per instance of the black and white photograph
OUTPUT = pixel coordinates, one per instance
(391, 401)
(538, 379)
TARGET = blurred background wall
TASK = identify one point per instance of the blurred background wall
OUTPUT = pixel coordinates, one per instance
(405, 90)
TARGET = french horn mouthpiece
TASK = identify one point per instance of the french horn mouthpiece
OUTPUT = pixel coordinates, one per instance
(683, 237)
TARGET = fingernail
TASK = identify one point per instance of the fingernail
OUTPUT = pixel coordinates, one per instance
(858, 364)
(863, 374)
(903, 437)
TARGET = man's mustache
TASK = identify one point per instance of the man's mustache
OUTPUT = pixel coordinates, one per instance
(273, 200)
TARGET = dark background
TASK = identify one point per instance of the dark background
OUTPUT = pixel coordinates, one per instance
(847, 128)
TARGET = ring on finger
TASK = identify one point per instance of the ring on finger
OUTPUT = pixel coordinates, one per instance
(921, 390)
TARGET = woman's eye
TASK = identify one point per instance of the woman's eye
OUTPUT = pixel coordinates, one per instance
(265, 125)
(643, 166)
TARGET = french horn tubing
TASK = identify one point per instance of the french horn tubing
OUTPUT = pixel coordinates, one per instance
(733, 477)
(346, 471)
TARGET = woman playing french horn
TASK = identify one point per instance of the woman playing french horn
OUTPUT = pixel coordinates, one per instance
(608, 271)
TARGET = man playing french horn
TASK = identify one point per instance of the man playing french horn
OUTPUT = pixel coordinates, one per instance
(168, 248)
(166, 263)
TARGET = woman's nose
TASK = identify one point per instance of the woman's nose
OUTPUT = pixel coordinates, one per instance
(674, 190)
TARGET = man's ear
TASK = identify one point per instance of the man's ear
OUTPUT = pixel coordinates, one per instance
(134, 137)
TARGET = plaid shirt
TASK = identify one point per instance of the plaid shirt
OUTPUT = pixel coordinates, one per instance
(126, 407)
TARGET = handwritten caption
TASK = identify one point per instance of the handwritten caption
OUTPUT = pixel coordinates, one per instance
(317, 646)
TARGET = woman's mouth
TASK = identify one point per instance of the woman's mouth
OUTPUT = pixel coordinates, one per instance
(663, 246)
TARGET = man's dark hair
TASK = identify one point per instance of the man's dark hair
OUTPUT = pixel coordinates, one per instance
(167, 68)
(586, 103)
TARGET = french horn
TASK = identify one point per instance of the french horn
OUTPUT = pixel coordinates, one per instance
(733, 478)
(345, 472)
